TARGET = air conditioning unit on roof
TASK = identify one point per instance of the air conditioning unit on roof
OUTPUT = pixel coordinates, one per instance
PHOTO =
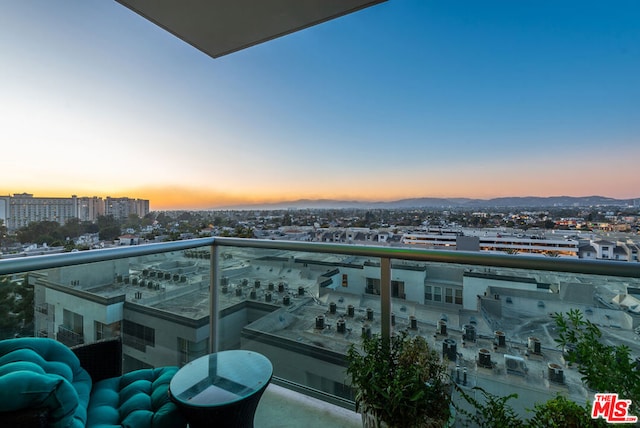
(515, 365)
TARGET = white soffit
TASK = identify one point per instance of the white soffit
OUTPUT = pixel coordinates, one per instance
(220, 27)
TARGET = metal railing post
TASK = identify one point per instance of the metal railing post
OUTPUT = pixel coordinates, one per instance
(214, 280)
(385, 297)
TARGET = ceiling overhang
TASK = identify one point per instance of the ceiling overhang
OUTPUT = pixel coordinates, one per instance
(220, 27)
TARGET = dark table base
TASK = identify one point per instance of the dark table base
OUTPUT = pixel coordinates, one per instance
(239, 414)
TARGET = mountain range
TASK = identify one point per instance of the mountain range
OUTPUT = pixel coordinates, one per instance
(505, 202)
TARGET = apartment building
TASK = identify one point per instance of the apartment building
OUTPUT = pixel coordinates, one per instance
(122, 208)
(20, 209)
(601, 249)
(90, 208)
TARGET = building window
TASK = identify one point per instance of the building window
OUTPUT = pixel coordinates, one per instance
(106, 331)
(437, 294)
(428, 292)
(72, 321)
(458, 297)
(373, 286)
(448, 295)
(397, 289)
(138, 336)
(100, 327)
(189, 351)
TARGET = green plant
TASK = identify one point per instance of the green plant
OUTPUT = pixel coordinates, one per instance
(560, 412)
(604, 368)
(494, 411)
(401, 381)
(490, 411)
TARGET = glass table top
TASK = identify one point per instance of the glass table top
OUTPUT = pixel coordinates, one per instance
(221, 378)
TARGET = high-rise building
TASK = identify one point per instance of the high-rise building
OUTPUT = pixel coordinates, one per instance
(23, 208)
(89, 208)
(121, 208)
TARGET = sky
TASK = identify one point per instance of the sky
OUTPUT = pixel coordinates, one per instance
(409, 98)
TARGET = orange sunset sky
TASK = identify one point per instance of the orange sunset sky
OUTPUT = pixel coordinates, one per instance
(404, 99)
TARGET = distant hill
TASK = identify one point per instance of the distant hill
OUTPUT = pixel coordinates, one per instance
(507, 202)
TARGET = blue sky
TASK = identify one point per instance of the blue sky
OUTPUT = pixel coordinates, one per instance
(409, 98)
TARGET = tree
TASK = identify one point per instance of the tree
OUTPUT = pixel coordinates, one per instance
(16, 307)
(560, 412)
(40, 232)
(72, 228)
(133, 222)
(109, 228)
(109, 233)
(286, 219)
(3, 234)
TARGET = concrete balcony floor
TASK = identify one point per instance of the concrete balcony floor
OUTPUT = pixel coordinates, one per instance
(282, 408)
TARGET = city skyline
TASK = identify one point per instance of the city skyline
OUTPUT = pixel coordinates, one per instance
(401, 100)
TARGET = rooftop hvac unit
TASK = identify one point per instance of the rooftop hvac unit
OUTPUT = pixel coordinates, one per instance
(469, 333)
(413, 322)
(556, 373)
(484, 358)
(449, 349)
(515, 365)
(370, 314)
(534, 346)
(320, 322)
(332, 307)
(351, 311)
(442, 327)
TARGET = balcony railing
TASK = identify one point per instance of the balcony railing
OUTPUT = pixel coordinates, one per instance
(303, 304)
(69, 337)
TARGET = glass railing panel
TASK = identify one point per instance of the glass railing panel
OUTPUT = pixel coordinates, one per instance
(302, 310)
(158, 303)
(494, 325)
(166, 315)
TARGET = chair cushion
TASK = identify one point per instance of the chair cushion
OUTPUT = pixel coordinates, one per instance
(138, 399)
(40, 372)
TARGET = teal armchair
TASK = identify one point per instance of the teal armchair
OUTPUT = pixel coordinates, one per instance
(43, 383)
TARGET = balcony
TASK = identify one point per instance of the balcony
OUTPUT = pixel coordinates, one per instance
(69, 337)
(303, 304)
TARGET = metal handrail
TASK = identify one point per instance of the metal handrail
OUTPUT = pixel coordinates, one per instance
(592, 267)
(475, 258)
(33, 263)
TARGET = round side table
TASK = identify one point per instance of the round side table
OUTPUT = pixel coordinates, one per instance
(221, 389)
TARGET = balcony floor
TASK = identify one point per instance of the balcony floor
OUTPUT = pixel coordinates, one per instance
(282, 408)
